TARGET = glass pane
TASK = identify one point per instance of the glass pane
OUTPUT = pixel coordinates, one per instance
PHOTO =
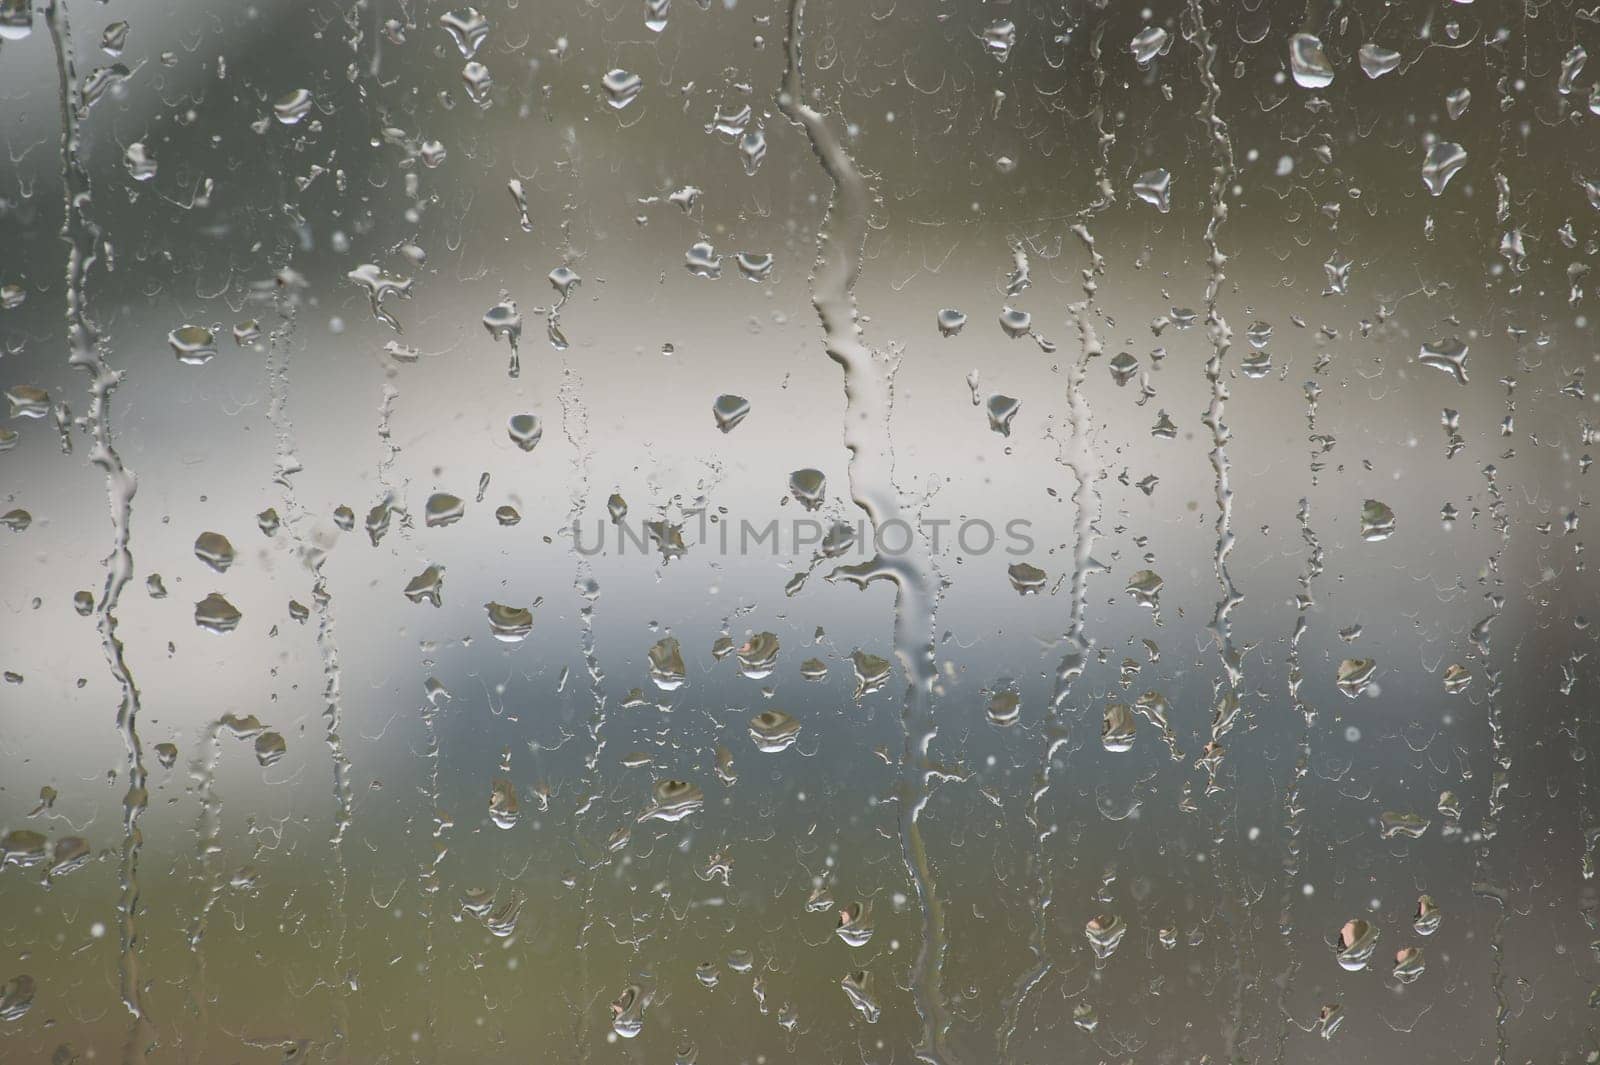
(797, 530)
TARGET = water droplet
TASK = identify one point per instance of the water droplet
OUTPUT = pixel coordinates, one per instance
(999, 38)
(1149, 43)
(509, 624)
(1145, 588)
(292, 106)
(1123, 366)
(475, 76)
(1027, 579)
(141, 165)
(1155, 188)
(621, 88)
(270, 747)
(504, 322)
(1308, 63)
(702, 260)
(1015, 323)
(1444, 160)
(858, 989)
(427, 586)
(854, 926)
(443, 509)
(16, 994)
(525, 430)
(1408, 964)
(809, 487)
(772, 730)
(674, 800)
(666, 664)
(114, 39)
(22, 847)
(951, 321)
(503, 803)
(752, 149)
(380, 286)
(1428, 916)
(1376, 60)
(729, 411)
(1002, 409)
(627, 1012)
(758, 656)
(872, 672)
(1571, 68)
(467, 27)
(1447, 355)
(755, 266)
(1393, 824)
(1354, 675)
(1357, 941)
(214, 550)
(1377, 521)
(1105, 934)
(16, 20)
(1118, 728)
(194, 345)
(216, 614)
(1005, 707)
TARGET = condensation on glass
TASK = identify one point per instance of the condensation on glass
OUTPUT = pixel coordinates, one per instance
(798, 530)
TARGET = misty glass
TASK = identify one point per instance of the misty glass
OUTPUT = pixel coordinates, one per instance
(798, 530)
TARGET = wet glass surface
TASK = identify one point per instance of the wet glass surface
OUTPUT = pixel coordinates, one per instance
(797, 530)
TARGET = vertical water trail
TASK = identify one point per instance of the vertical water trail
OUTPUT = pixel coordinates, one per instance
(868, 393)
(1293, 803)
(575, 425)
(428, 882)
(1484, 885)
(208, 844)
(86, 352)
(1221, 337)
(1500, 764)
(1076, 452)
(313, 555)
(379, 517)
(1225, 691)
(1078, 456)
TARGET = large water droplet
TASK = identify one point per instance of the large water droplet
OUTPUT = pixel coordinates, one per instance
(1308, 63)
(1444, 160)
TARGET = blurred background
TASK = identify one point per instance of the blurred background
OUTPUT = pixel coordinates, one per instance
(1268, 322)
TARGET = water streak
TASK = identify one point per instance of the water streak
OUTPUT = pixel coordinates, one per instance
(868, 386)
(313, 552)
(86, 352)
